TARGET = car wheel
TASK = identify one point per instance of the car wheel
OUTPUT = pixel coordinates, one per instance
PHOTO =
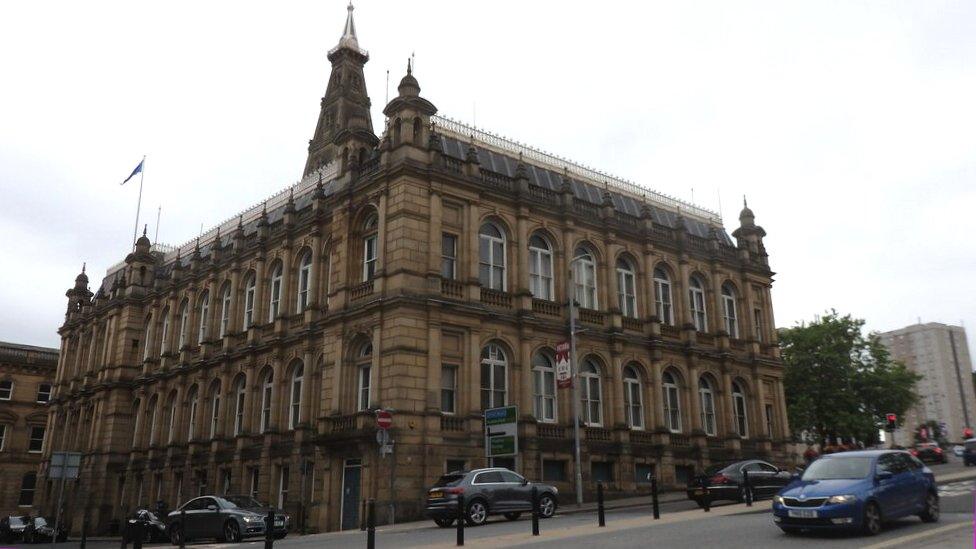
(443, 522)
(176, 534)
(931, 512)
(547, 506)
(232, 532)
(871, 521)
(477, 513)
(513, 516)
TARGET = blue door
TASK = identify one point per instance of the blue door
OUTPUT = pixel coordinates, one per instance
(351, 475)
(890, 491)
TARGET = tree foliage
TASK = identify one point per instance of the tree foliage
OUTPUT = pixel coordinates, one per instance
(840, 382)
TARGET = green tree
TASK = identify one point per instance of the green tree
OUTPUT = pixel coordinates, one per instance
(840, 382)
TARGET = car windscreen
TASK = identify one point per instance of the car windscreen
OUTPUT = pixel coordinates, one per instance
(713, 469)
(40, 521)
(16, 521)
(838, 468)
(242, 502)
(448, 480)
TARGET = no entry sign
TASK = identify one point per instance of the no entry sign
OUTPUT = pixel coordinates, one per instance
(384, 419)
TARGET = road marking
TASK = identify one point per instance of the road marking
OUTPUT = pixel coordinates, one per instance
(962, 488)
(913, 537)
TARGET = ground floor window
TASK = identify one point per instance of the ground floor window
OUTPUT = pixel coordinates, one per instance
(554, 470)
(601, 471)
(27, 487)
(506, 462)
(255, 479)
(643, 472)
(683, 473)
(282, 486)
(454, 465)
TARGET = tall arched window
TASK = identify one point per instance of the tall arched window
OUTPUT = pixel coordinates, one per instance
(267, 386)
(147, 338)
(151, 420)
(297, 377)
(274, 293)
(662, 296)
(240, 391)
(728, 311)
(225, 310)
(214, 408)
(370, 228)
(192, 403)
(250, 286)
(584, 278)
(304, 280)
(364, 369)
(626, 288)
(164, 339)
(171, 419)
(633, 400)
(696, 301)
(491, 257)
(590, 393)
(494, 376)
(184, 325)
(739, 409)
(204, 316)
(540, 268)
(136, 422)
(707, 397)
(672, 405)
(543, 387)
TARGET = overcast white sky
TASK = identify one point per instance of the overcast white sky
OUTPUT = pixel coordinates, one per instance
(850, 125)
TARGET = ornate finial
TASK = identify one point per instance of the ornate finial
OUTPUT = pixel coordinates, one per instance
(744, 203)
(83, 265)
(240, 221)
(196, 246)
(264, 205)
(409, 66)
(144, 227)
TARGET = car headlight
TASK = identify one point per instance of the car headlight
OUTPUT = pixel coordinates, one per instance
(842, 499)
(555, 490)
(778, 499)
(252, 520)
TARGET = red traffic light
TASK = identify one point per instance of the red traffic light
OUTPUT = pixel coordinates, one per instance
(891, 417)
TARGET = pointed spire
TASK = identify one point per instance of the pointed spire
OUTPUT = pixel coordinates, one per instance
(144, 227)
(348, 38)
(84, 264)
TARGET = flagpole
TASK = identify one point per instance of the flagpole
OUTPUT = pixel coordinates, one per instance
(142, 175)
(159, 213)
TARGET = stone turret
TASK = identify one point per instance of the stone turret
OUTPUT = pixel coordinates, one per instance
(78, 296)
(749, 236)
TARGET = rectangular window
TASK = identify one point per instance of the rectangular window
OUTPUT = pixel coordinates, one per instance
(758, 324)
(601, 471)
(643, 473)
(769, 420)
(225, 481)
(364, 381)
(6, 389)
(282, 487)
(201, 482)
(255, 480)
(36, 440)
(3, 436)
(449, 256)
(553, 470)
(44, 392)
(454, 465)
(27, 486)
(178, 482)
(448, 389)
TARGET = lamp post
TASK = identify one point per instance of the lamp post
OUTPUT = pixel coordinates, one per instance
(574, 374)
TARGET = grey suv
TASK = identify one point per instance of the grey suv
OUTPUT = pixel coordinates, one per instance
(226, 518)
(493, 491)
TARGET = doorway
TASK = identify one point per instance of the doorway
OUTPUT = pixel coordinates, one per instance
(351, 476)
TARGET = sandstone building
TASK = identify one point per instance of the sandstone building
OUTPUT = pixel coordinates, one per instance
(26, 380)
(424, 270)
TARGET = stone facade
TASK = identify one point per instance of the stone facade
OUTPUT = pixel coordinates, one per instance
(424, 271)
(26, 380)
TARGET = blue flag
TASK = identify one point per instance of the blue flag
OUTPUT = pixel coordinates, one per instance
(134, 172)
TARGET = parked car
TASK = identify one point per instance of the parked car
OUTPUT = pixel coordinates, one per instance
(225, 518)
(857, 491)
(12, 528)
(492, 491)
(726, 481)
(40, 529)
(153, 528)
(929, 452)
(969, 452)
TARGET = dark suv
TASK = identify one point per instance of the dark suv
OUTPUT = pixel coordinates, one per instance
(226, 518)
(493, 491)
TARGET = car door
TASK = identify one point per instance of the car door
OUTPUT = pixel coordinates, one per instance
(489, 485)
(765, 483)
(191, 518)
(517, 492)
(890, 491)
(210, 516)
(916, 485)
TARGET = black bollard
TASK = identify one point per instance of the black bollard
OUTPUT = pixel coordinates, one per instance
(371, 524)
(599, 504)
(183, 528)
(84, 532)
(654, 503)
(748, 488)
(126, 529)
(362, 517)
(707, 500)
(460, 520)
(535, 511)
(269, 530)
(137, 534)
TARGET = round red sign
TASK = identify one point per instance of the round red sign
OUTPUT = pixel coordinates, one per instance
(384, 419)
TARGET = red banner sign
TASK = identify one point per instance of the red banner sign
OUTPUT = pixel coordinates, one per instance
(564, 373)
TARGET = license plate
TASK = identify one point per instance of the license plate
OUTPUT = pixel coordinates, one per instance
(802, 513)
(700, 492)
(279, 523)
(435, 495)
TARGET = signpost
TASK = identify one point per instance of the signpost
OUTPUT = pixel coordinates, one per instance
(501, 431)
(64, 466)
(564, 371)
(384, 420)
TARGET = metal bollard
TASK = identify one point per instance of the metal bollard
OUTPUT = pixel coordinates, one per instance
(748, 488)
(362, 517)
(126, 527)
(654, 502)
(707, 500)
(460, 520)
(269, 530)
(371, 524)
(138, 532)
(599, 504)
(183, 528)
(84, 532)
(535, 511)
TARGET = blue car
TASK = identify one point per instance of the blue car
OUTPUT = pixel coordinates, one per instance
(857, 491)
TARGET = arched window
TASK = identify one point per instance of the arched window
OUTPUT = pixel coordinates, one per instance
(240, 391)
(151, 420)
(297, 377)
(214, 408)
(204, 316)
(626, 288)
(662, 296)
(250, 285)
(274, 295)
(584, 277)
(739, 409)
(147, 337)
(364, 369)
(494, 376)
(171, 419)
(491, 257)
(225, 310)
(633, 401)
(543, 387)
(266, 387)
(304, 280)
(192, 403)
(136, 422)
(672, 406)
(416, 131)
(696, 300)
(590, 393)
(370, 228)
(540, 268)
(164, 340)
(184, 325)
(707, 397)
(728, 311)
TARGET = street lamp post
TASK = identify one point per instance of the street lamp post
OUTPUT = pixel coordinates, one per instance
(574, 375)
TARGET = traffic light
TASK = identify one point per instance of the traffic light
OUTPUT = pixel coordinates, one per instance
(892, 419)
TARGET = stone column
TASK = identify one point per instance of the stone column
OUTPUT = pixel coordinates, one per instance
(337, 368)
(611, 302)
(616, 391)
(381, 235)
(746, 303)
(378, 381)
(434, 368)
(434, 228)
(784, 427)
(657, 393)
(695, 401)
(304, 412)
(679, 290)
(315, 276)
(261, 295)
(286, 306)
(520, 265)
(716, 320)
(728, 422)
(526, 389)
(649, 301)
(474, 369)
(758, 428)
(473, 228)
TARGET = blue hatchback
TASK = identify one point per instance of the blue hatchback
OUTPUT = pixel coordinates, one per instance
(857, 491)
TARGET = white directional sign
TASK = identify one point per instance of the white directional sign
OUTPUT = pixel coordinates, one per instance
(501, 431)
